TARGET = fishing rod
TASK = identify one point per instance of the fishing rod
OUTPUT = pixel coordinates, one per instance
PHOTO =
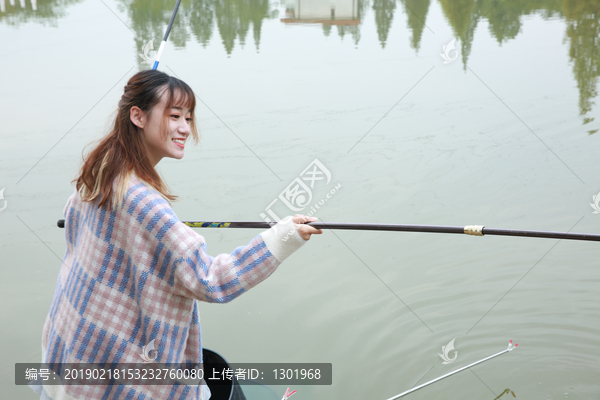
(510, 348)
(164, 41)
(474, 230)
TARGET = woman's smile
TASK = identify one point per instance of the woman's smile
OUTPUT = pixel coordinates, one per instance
(179, 142)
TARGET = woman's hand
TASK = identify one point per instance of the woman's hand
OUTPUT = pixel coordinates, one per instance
(305, 230)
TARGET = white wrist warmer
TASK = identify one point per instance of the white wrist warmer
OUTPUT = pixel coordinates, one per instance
(283, 239)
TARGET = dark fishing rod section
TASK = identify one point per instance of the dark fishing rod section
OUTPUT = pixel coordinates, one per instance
(473, 230)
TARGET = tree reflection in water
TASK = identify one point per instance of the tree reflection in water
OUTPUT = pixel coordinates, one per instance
(234, 19)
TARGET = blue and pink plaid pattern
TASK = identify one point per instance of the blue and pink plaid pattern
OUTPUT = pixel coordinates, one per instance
(134, 275)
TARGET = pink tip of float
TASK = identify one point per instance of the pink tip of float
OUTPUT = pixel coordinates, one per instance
(516, 344)
(510, 341)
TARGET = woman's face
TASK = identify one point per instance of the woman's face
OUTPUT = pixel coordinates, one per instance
(178, 130)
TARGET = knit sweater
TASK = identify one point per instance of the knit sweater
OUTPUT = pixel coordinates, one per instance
(134, 275)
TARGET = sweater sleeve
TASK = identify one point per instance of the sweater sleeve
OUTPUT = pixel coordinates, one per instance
(177, 254)
(224, 277)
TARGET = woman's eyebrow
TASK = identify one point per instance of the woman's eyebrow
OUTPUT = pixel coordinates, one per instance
(179, 108)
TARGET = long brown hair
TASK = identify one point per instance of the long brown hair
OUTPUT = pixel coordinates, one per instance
(123, 152)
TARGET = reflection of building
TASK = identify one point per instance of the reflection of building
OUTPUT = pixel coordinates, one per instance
(12, 3)
(330, 12)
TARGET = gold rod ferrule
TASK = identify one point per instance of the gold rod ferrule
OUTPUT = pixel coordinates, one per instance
(475, 230)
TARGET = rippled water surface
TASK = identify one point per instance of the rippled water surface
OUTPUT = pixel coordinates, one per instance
(505, 134)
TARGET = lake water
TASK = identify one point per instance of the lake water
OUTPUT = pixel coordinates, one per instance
(504, 134)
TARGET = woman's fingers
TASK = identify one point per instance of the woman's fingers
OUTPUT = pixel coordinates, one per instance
(306, 230)
(301, 219)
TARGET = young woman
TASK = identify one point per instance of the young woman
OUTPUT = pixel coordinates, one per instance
(132, 272)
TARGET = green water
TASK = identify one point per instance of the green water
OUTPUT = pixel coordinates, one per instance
(505, 136)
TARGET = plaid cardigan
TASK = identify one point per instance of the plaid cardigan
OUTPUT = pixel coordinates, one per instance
(134, 275)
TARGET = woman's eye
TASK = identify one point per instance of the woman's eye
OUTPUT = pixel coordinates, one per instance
(189, 119)
(175, 116)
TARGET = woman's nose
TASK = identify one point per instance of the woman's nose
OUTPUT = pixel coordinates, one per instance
(185, 128)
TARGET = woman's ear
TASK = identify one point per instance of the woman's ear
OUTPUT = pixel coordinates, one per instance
(137, 116)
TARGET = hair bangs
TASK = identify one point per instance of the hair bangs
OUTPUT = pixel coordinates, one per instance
(182, 96)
